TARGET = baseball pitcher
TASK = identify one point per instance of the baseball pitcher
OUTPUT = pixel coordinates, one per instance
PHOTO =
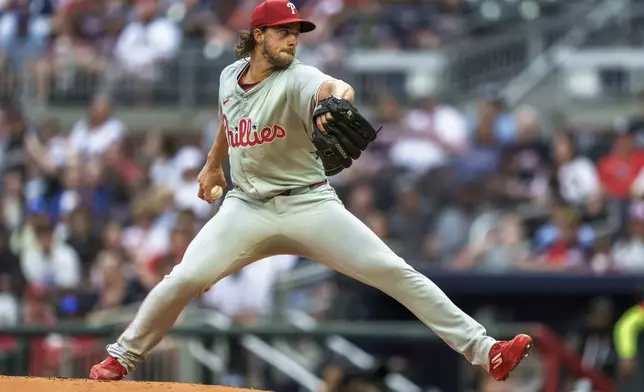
(286, 126)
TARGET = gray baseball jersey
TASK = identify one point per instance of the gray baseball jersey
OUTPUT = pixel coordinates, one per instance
(269, 129)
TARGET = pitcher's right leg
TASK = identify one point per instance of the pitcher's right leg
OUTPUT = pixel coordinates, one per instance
(233, 238)
(333, 236)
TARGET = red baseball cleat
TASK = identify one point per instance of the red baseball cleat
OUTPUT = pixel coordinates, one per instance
(506, 355)
(108, 370)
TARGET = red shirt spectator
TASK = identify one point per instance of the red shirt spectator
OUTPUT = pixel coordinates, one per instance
(619, 169)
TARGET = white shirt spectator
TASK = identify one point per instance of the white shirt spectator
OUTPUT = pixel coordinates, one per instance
(163, 172)
(58, 150)
(189, 160)
(141, 46)
(145, 244)
(417, 151)
(61, 268)
(90, 142)
(578, 180)
(628, 256)
(249, 291)
(9, 310)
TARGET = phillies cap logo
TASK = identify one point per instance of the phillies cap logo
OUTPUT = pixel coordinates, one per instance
(292, 7)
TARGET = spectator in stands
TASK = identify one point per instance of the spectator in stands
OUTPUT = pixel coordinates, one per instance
(160, 150)
(525, 177)
(500, 250)
(560, 214)
(55, 141)
(187, 163)
(112, 237)
(602, 260)
(361, 200)
(78, 28)
(193, 16)
(24, 238)
(38, 306)
(9, 309)
(92, 136)
(618, 171)
(451, 20)
(628, 252)
(434, 134)
(146, 43)
(563, 244)
(11, 199)
(72, 192)
(12, 284)
(121, 168)
(466, 206)
(146, 239)
(575, 178)
(114, 285)
(10, 265)
(389, 115)
(53, 264)
(82, 237)
(39, 21)
(489, 134)
(21, 144)
(636, 121)
(22, 41)
(494, 121)
(410, 222)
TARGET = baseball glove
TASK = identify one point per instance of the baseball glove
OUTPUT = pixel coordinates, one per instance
(346, 135)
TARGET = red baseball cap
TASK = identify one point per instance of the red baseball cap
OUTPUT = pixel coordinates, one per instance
(278, 12)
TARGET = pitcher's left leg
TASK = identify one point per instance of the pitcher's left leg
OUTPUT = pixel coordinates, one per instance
(333, 236)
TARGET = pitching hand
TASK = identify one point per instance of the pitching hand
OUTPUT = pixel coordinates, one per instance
(208, 178)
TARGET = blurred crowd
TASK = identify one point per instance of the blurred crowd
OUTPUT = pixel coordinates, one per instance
(87, 221)
(571, 201)
(47, 45)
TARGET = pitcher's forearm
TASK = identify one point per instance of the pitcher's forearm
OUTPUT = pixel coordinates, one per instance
(219, 150)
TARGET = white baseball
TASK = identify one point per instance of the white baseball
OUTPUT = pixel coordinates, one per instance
(216, 192)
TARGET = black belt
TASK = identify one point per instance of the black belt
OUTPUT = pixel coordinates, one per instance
(288, 192)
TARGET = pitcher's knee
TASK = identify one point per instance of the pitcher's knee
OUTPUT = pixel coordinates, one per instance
(391, 268)
(191, 286)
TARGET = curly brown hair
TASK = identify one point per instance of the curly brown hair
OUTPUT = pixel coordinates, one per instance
(246, 44)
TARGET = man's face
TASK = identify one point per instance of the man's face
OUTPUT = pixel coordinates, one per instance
(101, 108)
(279, 43)
(46, 240)
(147, 9)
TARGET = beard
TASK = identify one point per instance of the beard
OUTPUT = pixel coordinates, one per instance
(281, 59)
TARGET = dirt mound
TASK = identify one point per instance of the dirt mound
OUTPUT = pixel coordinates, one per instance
(34, 384)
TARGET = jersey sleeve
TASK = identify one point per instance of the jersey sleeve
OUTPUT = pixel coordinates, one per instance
(304, 84)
